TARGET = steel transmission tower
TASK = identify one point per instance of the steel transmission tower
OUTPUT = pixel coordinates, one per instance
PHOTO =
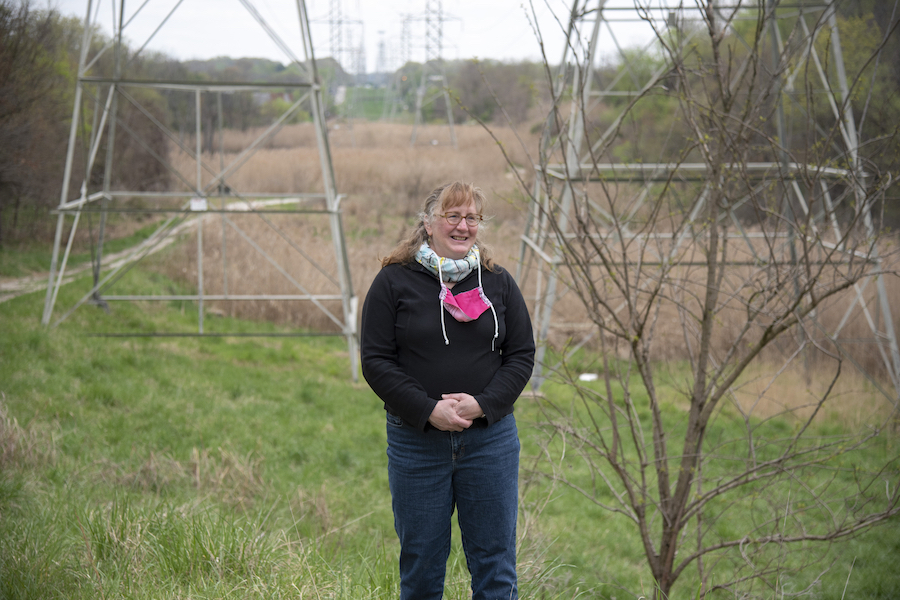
(351, 57)
(433, 84)
(381, 61)
(201, 193)
(577, 148)
(392, 95)
(342, 43)
(336, 30)
(406, 40)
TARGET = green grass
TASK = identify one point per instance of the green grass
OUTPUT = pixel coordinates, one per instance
(365, 103)
(256, 468)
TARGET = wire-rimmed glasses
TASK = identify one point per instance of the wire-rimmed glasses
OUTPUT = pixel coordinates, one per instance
(471, 220)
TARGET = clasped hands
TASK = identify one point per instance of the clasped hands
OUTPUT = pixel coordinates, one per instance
(455, 412)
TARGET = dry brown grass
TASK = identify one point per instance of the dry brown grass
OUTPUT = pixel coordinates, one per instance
(22, 446)
(382, 172)
(797, 392)
(235, 479)
(313, 508)
(682, 298)
(384, 181)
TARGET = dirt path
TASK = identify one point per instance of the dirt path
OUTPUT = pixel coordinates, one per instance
(13, 287)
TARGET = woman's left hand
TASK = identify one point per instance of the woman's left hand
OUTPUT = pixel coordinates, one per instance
(467, 406)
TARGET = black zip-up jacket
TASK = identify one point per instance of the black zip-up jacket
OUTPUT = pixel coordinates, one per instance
(408, 365)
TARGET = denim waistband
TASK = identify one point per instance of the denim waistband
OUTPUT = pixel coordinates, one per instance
(480, 423)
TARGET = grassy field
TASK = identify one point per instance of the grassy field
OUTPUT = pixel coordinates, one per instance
(188, 468)
(254, 467)
(249, 467)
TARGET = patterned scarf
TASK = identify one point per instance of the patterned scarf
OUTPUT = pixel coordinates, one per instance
(451, 269)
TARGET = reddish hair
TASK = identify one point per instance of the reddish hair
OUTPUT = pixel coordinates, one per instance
(441, 199)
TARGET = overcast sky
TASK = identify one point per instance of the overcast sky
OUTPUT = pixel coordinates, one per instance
(496, 29)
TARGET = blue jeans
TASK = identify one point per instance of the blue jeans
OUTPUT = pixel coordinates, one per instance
(476, 471)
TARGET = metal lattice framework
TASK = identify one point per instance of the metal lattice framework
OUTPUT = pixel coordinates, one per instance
(210, 195)
(812, 60)
(433, 69)
(392, 90)
(347, 46)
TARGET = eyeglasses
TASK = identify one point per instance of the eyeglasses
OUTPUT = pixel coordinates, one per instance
(455, 218)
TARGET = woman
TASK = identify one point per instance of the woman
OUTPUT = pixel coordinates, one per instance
(447, 345)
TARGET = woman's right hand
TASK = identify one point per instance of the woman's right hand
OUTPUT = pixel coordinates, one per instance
(444, 416)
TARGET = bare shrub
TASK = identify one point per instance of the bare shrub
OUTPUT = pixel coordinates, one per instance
(722, 463)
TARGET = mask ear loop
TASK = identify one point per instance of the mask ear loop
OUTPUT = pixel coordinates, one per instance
(490, 304)
(441, 296)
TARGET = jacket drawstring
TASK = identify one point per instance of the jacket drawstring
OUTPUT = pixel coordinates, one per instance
(441, 296)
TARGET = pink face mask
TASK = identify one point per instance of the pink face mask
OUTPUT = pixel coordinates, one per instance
(466, 306)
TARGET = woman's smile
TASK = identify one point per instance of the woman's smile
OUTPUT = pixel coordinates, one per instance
(453, 241)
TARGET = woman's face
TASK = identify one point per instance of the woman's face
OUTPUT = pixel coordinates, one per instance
(452, 241)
